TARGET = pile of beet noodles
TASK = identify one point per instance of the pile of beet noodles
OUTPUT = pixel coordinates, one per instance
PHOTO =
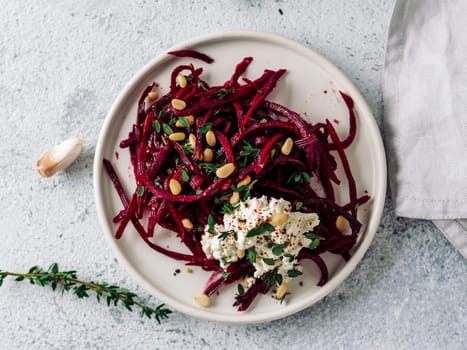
(250, 131)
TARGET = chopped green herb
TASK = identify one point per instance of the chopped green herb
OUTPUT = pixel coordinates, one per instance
(199, 191)
(184, 122)
(251, 255)
(269, 261)
(140, 191)
(240, 289)
(205, 128)
(225, 234)
(306, 176)
(172, 122)
(263, 120)
(156, 126)
(225, 274)
(262, 228)
(281, 12)
(210, 168)
(167, 129)
(161, 114)
(289, 256)
(211, 224)
(314, 243)
(294, 273)
(221, 93)
(279, 249)
(278, 279)
(299, 205)
(185, 176)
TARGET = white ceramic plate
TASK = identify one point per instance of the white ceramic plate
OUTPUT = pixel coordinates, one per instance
(310, 87)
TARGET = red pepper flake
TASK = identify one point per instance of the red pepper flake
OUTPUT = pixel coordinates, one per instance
(336, 121)
(117, 156)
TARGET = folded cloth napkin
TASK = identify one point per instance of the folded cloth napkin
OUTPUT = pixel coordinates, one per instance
(425, 102)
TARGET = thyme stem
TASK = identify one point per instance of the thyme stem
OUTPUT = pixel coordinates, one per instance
(69, 281)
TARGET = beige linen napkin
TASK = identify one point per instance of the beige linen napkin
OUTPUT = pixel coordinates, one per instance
(425, 101)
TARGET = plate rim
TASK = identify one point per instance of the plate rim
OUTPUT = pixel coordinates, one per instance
(376, 209)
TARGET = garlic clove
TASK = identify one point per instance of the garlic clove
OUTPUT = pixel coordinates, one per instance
(60, 157)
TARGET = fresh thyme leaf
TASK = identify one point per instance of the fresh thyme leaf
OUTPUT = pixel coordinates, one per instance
(299, 205)
(167, 129)
(184, 122)
(172, 122)
(211, 224)
(225, 274)
(225, 234)
(140, 191)
(240, 289)
(289, 256)
(294, 273)
(185, 176)
(161, 114)
(68, 281)
(221, 93)
(263, 120)
(210, 168)
(314, 243)
(279, 249)
(306, 176)
(269, 261)
(251, 255)
(205, 128)
(262, 228)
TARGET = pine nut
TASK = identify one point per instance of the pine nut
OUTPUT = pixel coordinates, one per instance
(181, 80)
(341, 223)
(187, 223)
(153, 95)
(208, 155)
(245, 181)
(178, 104)
(189, 118)
(203, 300)
(175, 187)
(225, 170)
(234, 198)
(240, 253)
(177, 136)
(211, 138)
(287, 146)
(192, 141)
(280, 293)
(279, 219)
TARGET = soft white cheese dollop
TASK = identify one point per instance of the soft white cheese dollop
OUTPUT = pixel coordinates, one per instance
(224, 241)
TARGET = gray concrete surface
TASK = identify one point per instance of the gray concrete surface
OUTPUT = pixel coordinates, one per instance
(62, 63)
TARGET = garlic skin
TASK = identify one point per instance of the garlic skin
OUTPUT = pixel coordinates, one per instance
(60, 157)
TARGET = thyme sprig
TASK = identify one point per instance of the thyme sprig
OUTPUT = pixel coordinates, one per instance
(68, 281)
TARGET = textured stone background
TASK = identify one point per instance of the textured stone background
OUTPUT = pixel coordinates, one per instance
(62, 63)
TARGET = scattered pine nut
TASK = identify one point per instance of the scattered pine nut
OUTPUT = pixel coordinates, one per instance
(177, 136)
(240, 253)
(341, 223)
(178, 104)
(225, 170)
(211, 138)
(279, 218)
(153, 95)
(203, 300)
(287, 146)
(208, 155)
(181, 80)
(245, 181)
(187, 223)
(234, 198)
(175, 187)
(281, 290)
